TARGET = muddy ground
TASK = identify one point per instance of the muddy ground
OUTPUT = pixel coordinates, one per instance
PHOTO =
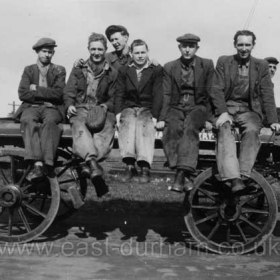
(137, 233)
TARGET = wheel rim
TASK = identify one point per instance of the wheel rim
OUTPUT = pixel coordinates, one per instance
(26, 209)
(230, 224)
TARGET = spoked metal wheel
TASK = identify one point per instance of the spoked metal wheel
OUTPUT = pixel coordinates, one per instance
(26, 209)
(68, 172)
(230, 224)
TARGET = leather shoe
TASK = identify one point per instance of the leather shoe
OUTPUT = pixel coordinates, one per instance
(130, 172)
(85, 172)
(145, 175)
(237, 185)
(95, 168)
(36, 174)
(100, 186)
(188, 184)
(179, 181)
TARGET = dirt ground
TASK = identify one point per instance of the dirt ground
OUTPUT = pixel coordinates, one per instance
(137, 233)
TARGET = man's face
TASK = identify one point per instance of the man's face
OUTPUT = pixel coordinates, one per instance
(188, 50)
(272, 69)
(140, 55)
(97, 51)
(118, 41)
(244, 46)
(45, 55)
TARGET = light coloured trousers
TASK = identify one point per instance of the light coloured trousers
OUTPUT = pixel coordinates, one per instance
(137, 134)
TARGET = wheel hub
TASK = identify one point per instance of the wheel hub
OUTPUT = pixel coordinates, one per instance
(10, 195)
(230, 212)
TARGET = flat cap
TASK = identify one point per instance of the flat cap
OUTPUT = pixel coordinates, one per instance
(188, 38)
(44, 42)
(271, 59)
(115, 28)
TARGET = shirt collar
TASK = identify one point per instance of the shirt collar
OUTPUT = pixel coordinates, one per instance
(132, 64)
(41, 65)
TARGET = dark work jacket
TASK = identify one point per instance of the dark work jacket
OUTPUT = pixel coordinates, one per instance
(260, 87)
(203, 73)
(76, 88)
(53, 93)
(115, 61)
(147, 93)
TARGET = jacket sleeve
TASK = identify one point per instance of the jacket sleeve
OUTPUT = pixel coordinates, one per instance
(157, 92)
(70, 91)
(166, 88)
(209, 82)
(217, 92)
(112, 90)
(267, 96)
(120, 91)
(24, 93)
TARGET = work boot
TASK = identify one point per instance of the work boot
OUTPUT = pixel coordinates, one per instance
(188, 184)
(130, 172)
(237, 185)
(85, 172)
(36, 174)
(100, 186)
(179, 181)
(145, 175)
(95, 168)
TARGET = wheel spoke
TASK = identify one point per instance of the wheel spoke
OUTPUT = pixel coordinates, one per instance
(4, 177)
(214, 230)
(241, 232)
(23, 218)
(242, 218)
(207, 194)
(34, 210)
(24, 175)
(13, 171)
(251, 197)
(205, 207)
(206, 219)
(252, 210)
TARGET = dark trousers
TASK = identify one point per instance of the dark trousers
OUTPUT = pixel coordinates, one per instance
(41, 133)
(181, 137)
(229, 166)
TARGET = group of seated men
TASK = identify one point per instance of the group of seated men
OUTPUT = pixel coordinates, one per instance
(127, 91)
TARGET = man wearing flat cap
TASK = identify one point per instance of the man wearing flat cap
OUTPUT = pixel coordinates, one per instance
(242, 94)
(186, 84)
(272, 65)
(41, 93)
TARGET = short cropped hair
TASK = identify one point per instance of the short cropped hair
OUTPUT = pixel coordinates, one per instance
(244, 33)
(138, 42)
(94, 37)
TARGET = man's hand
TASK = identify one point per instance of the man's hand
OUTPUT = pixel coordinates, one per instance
(208, 126)
(79, 63)
(33, 87)
(155, 122)
(223, 118)
(118, 117)
(160, 125)
(275, 126)
(71, 111)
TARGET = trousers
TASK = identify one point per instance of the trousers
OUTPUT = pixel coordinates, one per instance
(41, 133)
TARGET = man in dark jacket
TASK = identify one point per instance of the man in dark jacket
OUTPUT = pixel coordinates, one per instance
(186, 85)
(241, 87)
(88, 87)
(137, 106)
(41, 90)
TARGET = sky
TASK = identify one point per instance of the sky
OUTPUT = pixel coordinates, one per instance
(158, 22)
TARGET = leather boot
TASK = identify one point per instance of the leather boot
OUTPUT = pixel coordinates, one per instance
(145, 175)
(237, 185)
(85, 171)
(188, 184)
(95, 168)
(100, 186)
(130, 172)
(179, 181)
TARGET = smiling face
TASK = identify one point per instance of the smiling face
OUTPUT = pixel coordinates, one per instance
(188, 50)
(118, 41)
(97, 51)
(244, 46)
(140, 55)
(45, 55)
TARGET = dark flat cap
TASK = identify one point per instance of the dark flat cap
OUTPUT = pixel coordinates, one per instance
(271, 59)
(188, 38)
(115, 28)
(44, 42)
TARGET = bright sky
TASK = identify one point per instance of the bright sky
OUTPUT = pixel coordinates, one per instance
(158, 22)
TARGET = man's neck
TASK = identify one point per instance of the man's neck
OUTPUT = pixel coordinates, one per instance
(123, 52)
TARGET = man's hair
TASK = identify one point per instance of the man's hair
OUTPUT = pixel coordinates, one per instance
(244, 33)
(94, 37)
(138, 42)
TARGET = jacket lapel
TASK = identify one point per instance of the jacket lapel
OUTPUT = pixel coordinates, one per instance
(131, 73)
(253, 75)
(177, 73)
(146, 75)
(50, 75)
(233, 70)
(198, 71)
(35, 74)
